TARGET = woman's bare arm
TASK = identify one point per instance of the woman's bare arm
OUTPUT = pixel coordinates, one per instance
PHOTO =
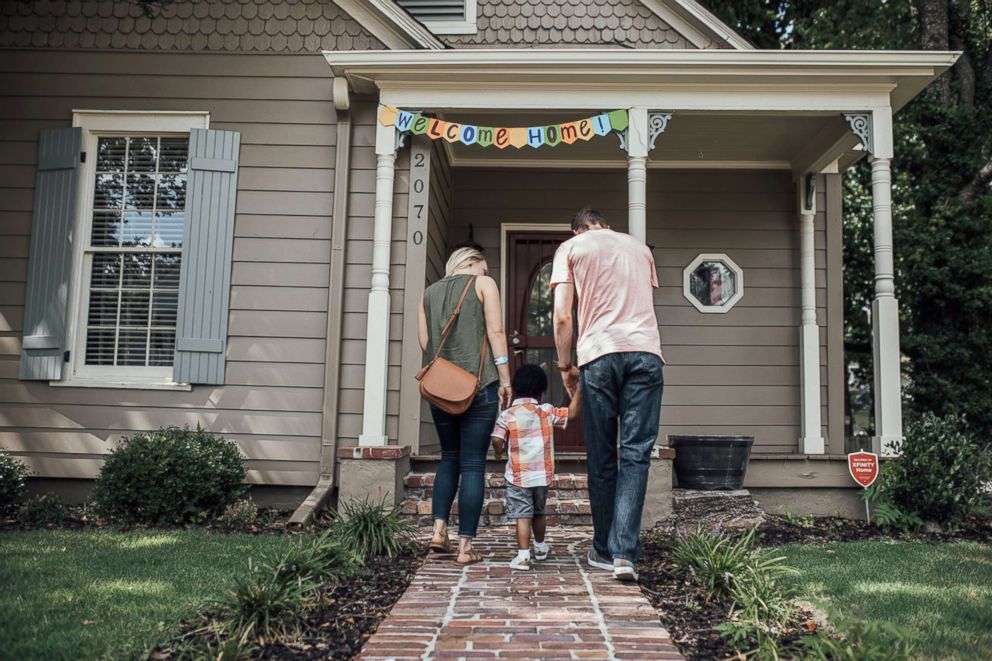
(488, 293)
(422, 326)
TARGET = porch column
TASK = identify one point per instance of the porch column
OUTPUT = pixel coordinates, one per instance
(885, 307)
(637, 163)
(811, 441)
(377, 333)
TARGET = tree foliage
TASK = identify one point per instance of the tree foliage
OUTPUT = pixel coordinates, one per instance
(942, 203)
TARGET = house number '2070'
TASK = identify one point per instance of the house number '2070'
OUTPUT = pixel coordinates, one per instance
(420, 173)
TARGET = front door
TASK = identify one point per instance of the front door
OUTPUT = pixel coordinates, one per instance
(530, 301)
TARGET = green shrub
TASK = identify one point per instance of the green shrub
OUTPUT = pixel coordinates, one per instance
(13, 477)
(735, 571)
(239, 515)
(171, 476)
(317, 560)
(940, 474)
(43, 509)
(370, 529)
(261, 603)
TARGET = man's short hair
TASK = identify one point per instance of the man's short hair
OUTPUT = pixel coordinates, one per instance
(586, 218)
(529, 381)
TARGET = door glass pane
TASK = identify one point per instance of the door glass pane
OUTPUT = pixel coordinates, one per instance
(540, 302)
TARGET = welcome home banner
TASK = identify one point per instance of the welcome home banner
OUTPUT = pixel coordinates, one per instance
(502, 137)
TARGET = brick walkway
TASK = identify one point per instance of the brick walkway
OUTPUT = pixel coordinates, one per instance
(560, 609)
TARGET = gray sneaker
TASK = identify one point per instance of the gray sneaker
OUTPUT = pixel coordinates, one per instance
(599, 562)
(623, 570)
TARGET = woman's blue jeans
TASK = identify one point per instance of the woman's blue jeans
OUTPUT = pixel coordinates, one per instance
(464, 446)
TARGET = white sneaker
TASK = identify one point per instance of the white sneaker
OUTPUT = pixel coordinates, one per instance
(541, 552)
(520, 564)
(623, 570)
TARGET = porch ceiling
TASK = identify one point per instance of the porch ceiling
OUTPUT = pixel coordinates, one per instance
(690, 141)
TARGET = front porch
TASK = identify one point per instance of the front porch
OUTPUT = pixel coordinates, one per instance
(728, 157)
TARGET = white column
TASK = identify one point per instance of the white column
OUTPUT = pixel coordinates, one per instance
(637, 162)
(885, 307)
(885, 314)
(811, 441)
(377, 333)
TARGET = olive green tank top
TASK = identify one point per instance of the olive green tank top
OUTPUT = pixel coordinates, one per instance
(465, 339)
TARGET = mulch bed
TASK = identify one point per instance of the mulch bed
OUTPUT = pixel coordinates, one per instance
(777, 531)
(78, 517)
(349, 613)
(691, 619)
(340, 620)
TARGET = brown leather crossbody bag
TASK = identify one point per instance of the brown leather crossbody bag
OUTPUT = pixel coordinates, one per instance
(444, 384)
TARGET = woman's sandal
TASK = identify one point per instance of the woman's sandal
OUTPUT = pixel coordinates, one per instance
(474, 556)
(442, 548)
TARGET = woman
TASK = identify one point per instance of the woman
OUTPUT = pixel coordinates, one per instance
(465, 437)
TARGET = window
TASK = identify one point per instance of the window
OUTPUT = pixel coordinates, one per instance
(713, 283)
(131, 225)
(443, 16)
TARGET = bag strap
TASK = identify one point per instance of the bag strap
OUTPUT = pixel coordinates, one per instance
(451, 320)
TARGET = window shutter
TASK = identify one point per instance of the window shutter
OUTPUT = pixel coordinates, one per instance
(50, 254)
(205, 274)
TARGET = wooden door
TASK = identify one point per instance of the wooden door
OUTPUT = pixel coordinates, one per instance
(529, 307)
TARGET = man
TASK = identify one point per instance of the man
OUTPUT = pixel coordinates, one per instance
(620, 369)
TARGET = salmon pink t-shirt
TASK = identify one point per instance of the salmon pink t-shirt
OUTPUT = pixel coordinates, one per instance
(614, 277)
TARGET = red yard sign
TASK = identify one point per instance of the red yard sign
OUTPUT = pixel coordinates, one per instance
(863, 467)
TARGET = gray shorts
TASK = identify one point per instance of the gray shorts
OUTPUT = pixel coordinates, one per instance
(525, 502)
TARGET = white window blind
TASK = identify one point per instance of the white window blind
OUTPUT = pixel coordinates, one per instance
(429, 11)
(134, 250)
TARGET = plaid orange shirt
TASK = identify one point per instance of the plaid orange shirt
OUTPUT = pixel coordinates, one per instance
(528, 428)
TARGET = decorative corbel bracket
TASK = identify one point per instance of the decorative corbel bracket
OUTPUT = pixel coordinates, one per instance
(657, 123)
(622, 137)
(860, 123)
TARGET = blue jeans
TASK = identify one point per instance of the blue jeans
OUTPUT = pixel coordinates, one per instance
(464, 446)
(624, 387)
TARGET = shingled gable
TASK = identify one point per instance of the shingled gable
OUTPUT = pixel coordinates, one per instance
(565, 23)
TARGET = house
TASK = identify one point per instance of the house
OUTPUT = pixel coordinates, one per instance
(212, 216)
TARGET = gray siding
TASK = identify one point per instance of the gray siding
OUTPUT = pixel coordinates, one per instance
(271, 401)
(734, 373)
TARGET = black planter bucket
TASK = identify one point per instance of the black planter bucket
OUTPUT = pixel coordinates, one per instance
(711, 463)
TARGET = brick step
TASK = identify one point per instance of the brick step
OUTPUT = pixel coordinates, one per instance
(496, 481)
(568, 500)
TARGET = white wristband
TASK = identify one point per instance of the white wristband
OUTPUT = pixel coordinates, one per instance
(501, 360)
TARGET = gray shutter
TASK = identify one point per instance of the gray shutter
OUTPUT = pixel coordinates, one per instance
(205, 276)
(50, 254)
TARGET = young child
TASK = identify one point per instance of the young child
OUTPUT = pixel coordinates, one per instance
(526, 431)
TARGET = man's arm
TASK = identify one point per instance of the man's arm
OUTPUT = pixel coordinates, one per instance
(563, 322)
(575, 406)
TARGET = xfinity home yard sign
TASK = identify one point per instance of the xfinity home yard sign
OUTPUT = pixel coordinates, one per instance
(863, 467)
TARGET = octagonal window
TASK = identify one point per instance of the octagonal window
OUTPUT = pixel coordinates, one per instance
(713, 283)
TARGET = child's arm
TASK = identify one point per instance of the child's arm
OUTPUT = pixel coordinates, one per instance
(575, 406)
(499, 445)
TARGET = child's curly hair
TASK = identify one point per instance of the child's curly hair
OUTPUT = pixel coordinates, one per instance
(530, 381)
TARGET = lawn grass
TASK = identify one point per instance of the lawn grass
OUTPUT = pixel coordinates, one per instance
(940, 593)
(94, 594)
